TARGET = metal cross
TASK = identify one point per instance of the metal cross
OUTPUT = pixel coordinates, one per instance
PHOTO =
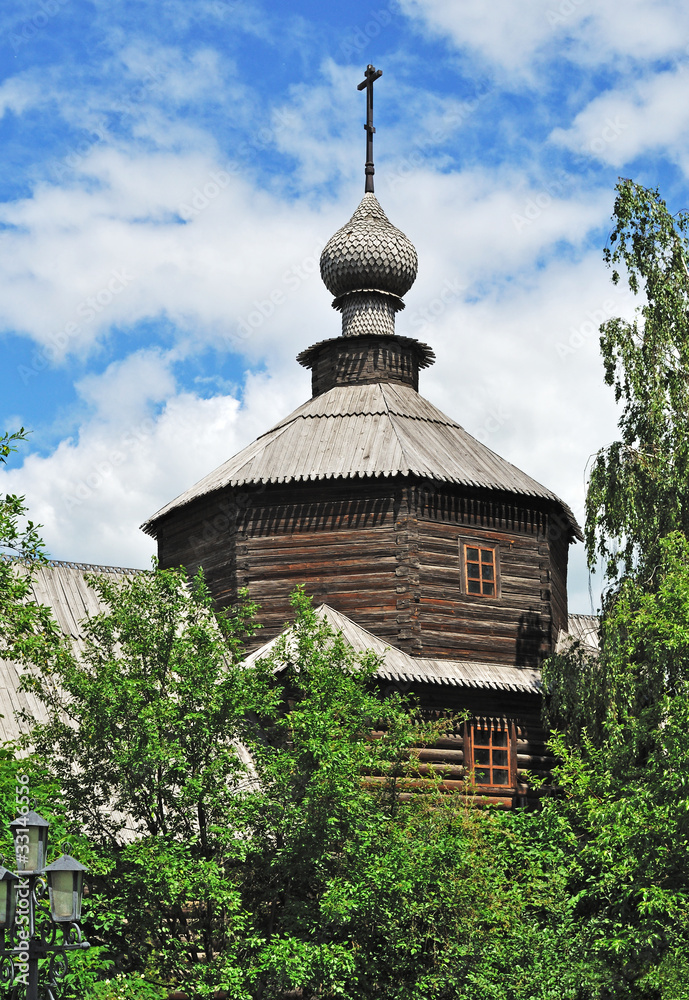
(371, 74)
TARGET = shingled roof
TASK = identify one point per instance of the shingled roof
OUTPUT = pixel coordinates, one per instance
(63, 588)
(401, 667)
(352, 431)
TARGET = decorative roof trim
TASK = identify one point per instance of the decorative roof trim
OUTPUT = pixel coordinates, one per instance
(425, 354)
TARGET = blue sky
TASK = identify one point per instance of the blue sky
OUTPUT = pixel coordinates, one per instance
(172, 169)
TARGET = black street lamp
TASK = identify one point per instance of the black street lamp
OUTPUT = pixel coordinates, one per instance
(29, 930)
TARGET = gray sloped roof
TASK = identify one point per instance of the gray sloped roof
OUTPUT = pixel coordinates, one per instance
(366, 430)
(62, 587)
(400, 666)
(584, 629)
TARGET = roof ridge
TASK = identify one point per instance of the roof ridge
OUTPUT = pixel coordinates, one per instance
(394, 427)
(71, 564)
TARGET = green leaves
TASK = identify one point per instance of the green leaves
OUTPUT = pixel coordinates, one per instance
(638, 484)
(25, 626)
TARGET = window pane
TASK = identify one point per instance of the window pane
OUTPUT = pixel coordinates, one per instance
(472, 570)
(487, 556)
(488, 588)
(474, 586)
(491, 756)
(472, 554)
(487, 572)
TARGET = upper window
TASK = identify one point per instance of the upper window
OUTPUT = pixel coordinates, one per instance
(480, 570)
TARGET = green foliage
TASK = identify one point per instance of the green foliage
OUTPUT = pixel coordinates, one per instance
(327, 867)
(143, 739)
(644, 656)
(623, 714)
(128, 987)
(628, 803)
(359, 887)
(638, 485)
(24, 625)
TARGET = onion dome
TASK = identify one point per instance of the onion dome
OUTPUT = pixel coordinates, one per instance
(368, 265)
(369, 254)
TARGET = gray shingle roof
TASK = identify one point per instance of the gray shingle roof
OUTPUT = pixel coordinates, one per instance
(62, 587)
(400, 666)
(366, 430)
(584, 629)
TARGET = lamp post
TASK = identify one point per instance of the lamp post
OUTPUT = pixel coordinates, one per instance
(30, 930)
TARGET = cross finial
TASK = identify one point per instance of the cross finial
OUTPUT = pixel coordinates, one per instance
(370, 75)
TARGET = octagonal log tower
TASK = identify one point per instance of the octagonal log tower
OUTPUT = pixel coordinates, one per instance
(416, 539)
(377, 502)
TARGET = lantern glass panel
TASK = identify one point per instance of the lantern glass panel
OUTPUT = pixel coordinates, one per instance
(31, 844)
(62, 895)
(8, 902)
(36, 858)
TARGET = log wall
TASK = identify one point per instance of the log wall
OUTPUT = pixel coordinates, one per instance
(446, 759)
(387, 554)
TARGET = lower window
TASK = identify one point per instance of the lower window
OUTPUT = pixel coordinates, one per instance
(492, 752)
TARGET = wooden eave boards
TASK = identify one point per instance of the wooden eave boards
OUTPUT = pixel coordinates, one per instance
(366, 431)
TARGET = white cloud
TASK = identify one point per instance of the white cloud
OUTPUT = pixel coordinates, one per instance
(621, 124)
(511, 37)
(18, 93)
(92, 493)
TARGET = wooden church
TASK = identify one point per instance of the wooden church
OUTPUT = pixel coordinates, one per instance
(417, 539)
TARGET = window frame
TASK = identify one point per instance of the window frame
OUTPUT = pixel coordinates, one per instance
(491, 725)
(481, 545)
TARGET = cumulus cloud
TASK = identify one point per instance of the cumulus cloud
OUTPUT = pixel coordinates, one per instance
(620, 124)
(515, 37)
(131, 457)
(18, 93)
